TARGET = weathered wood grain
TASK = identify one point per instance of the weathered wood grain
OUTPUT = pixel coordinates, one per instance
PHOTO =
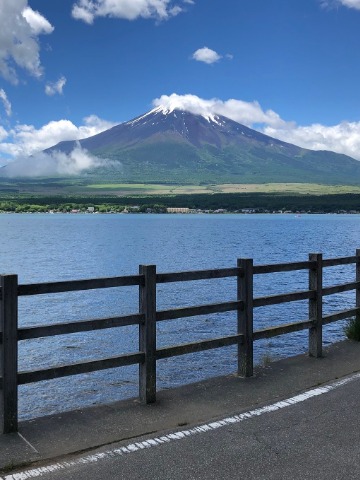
(281, 267)
(283, 298)
(342, 315)
(76, 285)
(208, 309)
(9, 353)
(345, 287)
(27, 333)
(196, 275)
(333, 262)
(357, 277)
(147, 334)
(316, 306)
(283, 329)
(245, 318)
(78, 368)
(199, 346)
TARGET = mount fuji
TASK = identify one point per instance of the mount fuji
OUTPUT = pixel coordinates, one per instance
(175, 146)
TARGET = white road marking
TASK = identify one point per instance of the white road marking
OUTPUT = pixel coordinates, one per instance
(27, 442)
(154, 442)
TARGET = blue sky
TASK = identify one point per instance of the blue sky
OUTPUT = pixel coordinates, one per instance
(72, 68)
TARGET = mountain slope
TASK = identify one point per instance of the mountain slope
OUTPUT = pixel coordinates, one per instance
(177, 146)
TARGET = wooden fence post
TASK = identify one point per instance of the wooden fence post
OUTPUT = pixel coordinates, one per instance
(316, 305)
(245, 317)
(9, 353)
(147, 334)
(357, 278)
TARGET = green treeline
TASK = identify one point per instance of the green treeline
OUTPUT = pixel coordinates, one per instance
(228, 201)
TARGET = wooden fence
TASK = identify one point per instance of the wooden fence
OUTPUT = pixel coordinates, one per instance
(148, 315)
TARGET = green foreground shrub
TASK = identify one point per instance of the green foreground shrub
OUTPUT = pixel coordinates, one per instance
(352, 329)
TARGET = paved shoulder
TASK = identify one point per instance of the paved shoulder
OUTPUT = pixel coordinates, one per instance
(311, 435)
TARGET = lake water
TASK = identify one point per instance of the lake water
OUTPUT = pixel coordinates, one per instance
(59, 247)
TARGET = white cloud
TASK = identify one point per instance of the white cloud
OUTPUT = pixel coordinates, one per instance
(206, 55)
(25, 140)
(342, 138)
(56, 87)
(37, 22)
(88, 10)
(5, 101)
(19, 46)
(3, 133)
(54, 163)
(351, 3)
(24, 145)
(346, 3)
(247, 113)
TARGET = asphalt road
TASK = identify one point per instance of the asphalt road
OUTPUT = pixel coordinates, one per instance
(315, 438)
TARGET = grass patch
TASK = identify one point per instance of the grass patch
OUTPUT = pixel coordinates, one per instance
(352, 329)
(266, 359)
(284, 188)
(125, 186)
(97, 186)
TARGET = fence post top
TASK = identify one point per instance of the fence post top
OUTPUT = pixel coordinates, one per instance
(7, 280)
(245, 260)
(314, 256)
(147, 268)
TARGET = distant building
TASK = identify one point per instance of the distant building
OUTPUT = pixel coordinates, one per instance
(177, 210)
(247, 210)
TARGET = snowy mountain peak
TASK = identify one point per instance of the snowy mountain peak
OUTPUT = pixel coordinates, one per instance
(175, 110)
(166, 110)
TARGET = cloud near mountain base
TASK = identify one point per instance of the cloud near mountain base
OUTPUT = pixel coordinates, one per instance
(43, 164)
(24, 140)
(342, 138)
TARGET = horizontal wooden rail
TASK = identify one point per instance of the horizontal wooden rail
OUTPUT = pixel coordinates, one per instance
(198, 346)
(283, 298)
(197, 275)
(80, 367)
(282, 329)
(27, 333)
(333, 262)
(282, 267)
(199, 310)
(76, 285)
(345, 287)
(342, 315)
